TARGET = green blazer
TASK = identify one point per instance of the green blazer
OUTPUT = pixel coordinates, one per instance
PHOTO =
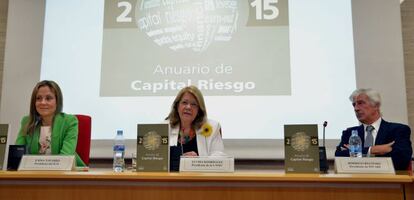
(64, 136)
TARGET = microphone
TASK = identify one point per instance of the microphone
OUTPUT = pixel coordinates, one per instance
(38, 119)
(323, 162)
(325, 123)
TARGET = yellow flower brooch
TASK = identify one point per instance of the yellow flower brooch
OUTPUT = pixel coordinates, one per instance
(206, 130)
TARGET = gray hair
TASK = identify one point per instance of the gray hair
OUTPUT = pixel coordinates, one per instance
(373, 96)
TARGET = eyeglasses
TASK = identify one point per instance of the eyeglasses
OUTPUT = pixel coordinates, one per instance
(187, 103)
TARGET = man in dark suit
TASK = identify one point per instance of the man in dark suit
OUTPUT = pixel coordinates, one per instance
(379, 137)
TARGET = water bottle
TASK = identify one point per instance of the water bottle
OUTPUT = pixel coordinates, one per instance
(119, 152)
(355, 145)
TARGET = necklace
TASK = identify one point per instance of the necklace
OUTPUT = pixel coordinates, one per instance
(185, 137)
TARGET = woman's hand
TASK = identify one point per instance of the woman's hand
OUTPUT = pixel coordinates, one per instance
(190, 153)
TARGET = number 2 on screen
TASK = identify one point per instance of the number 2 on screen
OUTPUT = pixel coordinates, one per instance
(123, 17)
(262, 8)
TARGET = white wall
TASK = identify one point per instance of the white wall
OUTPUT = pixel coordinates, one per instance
(378, 48)
(379, 54)
(22, 59)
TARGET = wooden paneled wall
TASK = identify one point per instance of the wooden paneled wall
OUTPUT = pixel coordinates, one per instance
(4, 4)
(407, 16)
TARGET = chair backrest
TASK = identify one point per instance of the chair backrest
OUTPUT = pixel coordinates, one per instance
(84, 137)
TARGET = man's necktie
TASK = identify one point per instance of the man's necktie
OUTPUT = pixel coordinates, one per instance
(369, 140)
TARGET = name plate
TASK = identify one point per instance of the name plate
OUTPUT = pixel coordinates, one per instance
(49, 162)
(207, 164)
(365, 165)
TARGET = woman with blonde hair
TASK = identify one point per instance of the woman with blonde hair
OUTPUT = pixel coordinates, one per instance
(190, 129)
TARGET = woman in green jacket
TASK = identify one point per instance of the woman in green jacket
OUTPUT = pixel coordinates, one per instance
(47, 130)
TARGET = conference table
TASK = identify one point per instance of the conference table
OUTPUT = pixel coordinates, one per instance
(104, 184)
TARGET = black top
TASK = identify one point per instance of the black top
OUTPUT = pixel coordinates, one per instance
(189, 146)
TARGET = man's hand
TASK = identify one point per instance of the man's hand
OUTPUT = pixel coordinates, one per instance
(382, 149)
(346, 147)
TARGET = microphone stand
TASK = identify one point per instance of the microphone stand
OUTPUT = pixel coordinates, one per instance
(323, 163)
(325, 123)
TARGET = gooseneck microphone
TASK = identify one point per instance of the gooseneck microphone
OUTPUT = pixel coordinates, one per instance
(38, 120)
(323, 162)
(325, 123)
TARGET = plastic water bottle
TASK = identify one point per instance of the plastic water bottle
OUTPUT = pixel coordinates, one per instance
(355, 145)
(119, 152)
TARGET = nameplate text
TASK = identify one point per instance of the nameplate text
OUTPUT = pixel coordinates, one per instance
(365, 165)
(49, 162)
(207, 164)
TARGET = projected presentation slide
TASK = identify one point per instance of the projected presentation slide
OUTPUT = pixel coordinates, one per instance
(260, 64)
(224, 47)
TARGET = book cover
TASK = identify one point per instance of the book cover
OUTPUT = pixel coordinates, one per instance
(4, 130)
(152, 148)
(301, 148)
